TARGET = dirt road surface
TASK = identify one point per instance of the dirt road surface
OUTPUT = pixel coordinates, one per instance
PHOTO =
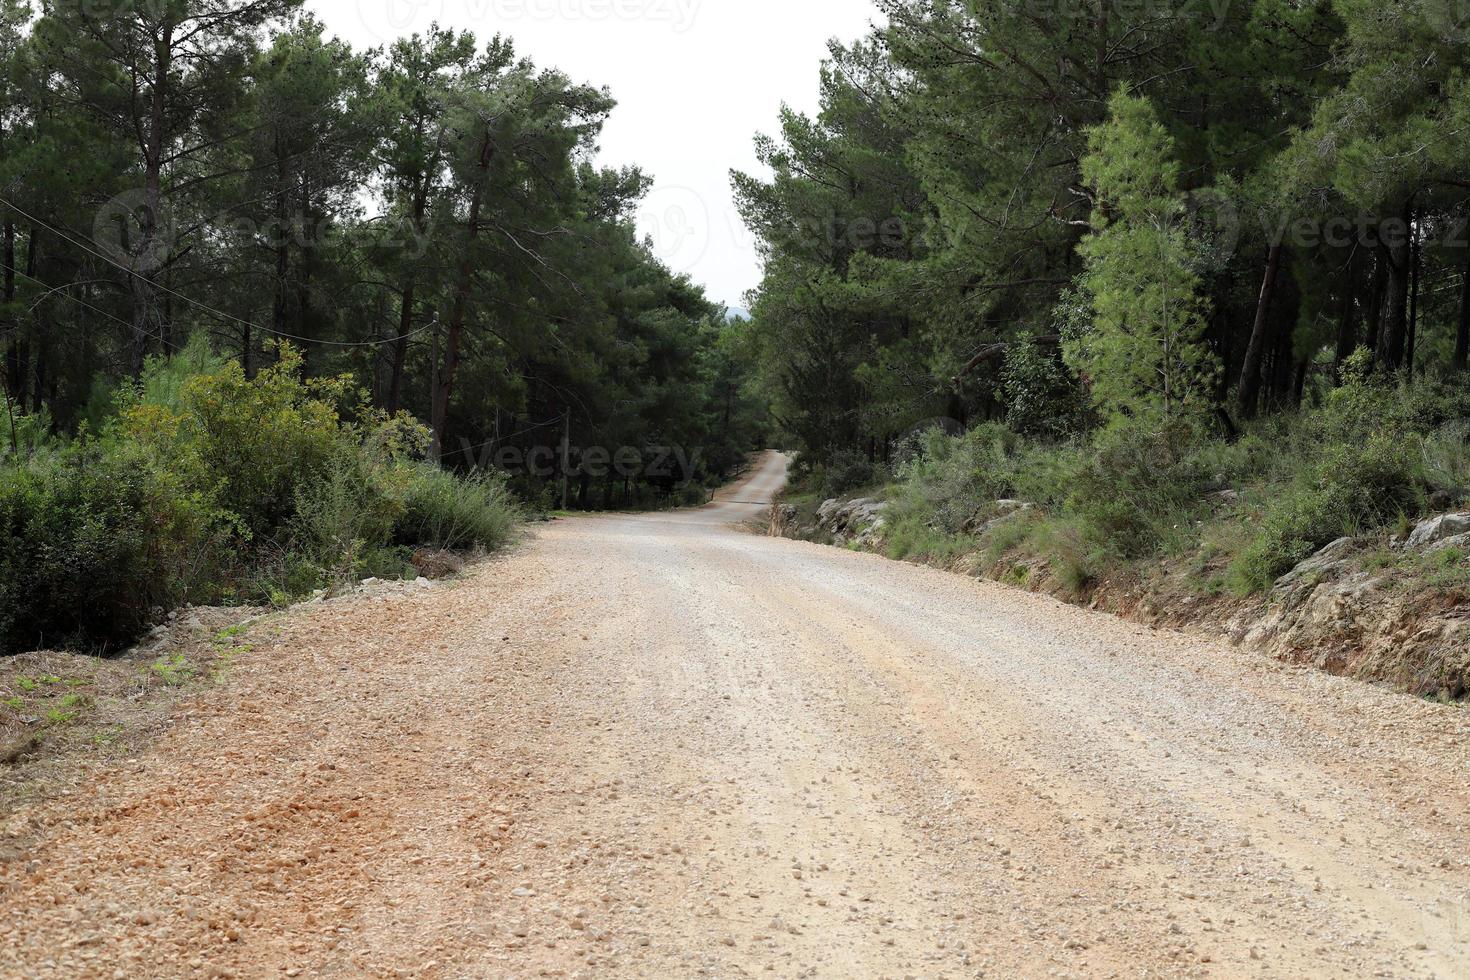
(659, 746)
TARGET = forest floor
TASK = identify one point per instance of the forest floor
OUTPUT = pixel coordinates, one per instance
(658, 745)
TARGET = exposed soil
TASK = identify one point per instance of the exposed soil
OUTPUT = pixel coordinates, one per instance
(660, 746)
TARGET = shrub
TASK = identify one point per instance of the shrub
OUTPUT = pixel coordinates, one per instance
(346, 515)
(454, 513)
(1349, 488)
(26, 435)
(1446, 457)
(210, 486)
(953, 478)
(844, 472)
(1043, 399)
(92, 542)
(1138, 483)
(252, 443)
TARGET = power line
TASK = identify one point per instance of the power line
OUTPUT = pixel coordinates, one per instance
(469, 450)
(203, 306)
(60, 290)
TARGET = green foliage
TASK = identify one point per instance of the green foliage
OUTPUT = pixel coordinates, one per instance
(952, 480)
(1349, 489)
(255, 443)
(1141, 489)
(1043, 400)
(843, 472)
(341, 519)
(1370, 455)
(210, 486)
(92, 543)
(456, 513)
(1144, 353)
(265, 178)
(27, 435)
(1139, 482)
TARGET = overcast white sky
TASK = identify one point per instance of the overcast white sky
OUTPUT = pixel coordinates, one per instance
(694, 79)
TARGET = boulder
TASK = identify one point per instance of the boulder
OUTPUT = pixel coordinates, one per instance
(995, 514)
(1436, 529)
(857, 521)
(1324, 564)
(1461, 541)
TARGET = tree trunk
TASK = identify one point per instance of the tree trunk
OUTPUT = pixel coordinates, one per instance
(1347, 323)
(304, 327)
(149, 245)
(1250, 375)
(39, 391)
(1462, 335)
(1375, 301)
(1416, 261)
(400, 349)
(461, 306)
(405, 313)
(283, 259)
(1396, 303)
(12, 340)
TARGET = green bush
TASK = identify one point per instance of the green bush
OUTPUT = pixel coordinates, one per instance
(210, 486)
(1139, 482)
(342, 519)
(1445, 456)
(1348, 489)
(23, 436)
(843, 473)
(952, 479)
(92, 543)
(454, 513)
(251, 442)
(1043, 399)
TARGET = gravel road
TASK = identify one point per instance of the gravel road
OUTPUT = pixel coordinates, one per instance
(661, 746)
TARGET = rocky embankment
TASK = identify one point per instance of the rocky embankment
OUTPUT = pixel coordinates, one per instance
(1344, 610)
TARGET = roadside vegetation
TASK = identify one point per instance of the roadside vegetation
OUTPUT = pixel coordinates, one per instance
(1130, 301)
(201, 486)
(1375, 455)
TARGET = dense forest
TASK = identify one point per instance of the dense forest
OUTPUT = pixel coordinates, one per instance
(424, 217)
(259, 287)
(1142, 251)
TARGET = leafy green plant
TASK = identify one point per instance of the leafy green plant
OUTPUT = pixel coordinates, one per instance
(91, 541)
(454, 513)
(1348, 489)
(1137, 486)
(173, 671)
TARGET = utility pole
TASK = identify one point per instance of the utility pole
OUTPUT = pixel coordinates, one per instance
(566, 452)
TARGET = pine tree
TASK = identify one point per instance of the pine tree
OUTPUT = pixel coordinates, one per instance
(1144, 353)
